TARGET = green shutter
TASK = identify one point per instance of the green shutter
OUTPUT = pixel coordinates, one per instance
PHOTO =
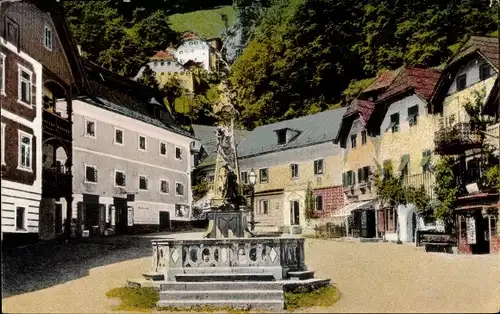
(404, 161)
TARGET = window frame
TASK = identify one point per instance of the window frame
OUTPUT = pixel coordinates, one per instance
(267, 175)
(364, 137)
(354, 138)
(484, 66)
(316, 168)
(124, 179)
(85, 166)
(2, 88)
(183, 189)
(281, 134)
(21, 135)
(123, 137)
(145, 149)
(244, 178)
(45, 29)
(168, 187)
(413, 117)
(464, 76)
(316, 197)
(20, 81)
(175, 152)
(395, 124)
(2, 144)
(139, 182)
(159, 149)
(264, 210)
(24, 226)
(294, 170)
(86, 134)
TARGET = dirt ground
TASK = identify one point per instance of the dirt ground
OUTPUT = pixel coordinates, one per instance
(372, 277)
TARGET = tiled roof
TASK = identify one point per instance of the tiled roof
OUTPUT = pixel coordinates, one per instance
(382, 81)
(421, 81)
(163, 55)
(127, 97)
(362, 107)
(208, 139)
(488, 46)
(314, 129)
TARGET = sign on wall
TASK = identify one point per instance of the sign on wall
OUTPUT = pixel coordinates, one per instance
(130, 216)
(471, 230)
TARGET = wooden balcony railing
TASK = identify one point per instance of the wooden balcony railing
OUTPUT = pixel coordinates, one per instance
(457, 139)
(425, 179)
(56, 184)
(56, 125)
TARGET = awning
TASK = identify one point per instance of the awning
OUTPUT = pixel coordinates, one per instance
(347, 209)
(404, 161)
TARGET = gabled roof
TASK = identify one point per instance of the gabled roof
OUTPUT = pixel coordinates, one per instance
(315, 129)
(163, 56)
(362, 107)
(422, 81)
(124, 96)
(382, 81)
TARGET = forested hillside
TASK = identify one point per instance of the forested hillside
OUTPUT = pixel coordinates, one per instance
(294, 57)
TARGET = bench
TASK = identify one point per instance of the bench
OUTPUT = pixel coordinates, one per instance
(435, 241)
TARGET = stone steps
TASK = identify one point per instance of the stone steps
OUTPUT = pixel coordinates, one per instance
(307, 284)
(153, 276)
(228, 295)
(301, 275)
(221, 285)
(223, 277)
(267, 305)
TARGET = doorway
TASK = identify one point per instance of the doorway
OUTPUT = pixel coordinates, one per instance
(58, 222)
(121, 215)
(294, 213)
(164, 221)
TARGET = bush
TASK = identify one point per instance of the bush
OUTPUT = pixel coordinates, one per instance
(135, 298)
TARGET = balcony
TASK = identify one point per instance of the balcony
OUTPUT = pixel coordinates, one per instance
(425, 179)
(55, 125)
(56, 183)
(457, 139)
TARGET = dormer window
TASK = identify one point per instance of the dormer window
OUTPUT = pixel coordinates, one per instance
(281, 137)
(461, 82)
(484, 71)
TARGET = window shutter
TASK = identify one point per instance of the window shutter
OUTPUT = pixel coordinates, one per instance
(360, 175)
(353, 178)
(33, 91)
(344, 179)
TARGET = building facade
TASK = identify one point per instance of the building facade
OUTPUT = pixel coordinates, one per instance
(41, 73)
(132, 166)
(291, 158)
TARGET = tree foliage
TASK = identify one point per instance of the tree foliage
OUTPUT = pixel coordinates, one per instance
(310, 203)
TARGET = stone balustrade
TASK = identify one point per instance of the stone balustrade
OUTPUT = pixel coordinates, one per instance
(242, 255)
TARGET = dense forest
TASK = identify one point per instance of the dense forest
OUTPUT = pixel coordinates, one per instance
(291, 57)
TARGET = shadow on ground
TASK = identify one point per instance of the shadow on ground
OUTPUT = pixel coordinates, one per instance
(43, 265)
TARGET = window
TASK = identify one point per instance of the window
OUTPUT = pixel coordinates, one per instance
(90, 174)
(142, 143)
(120, 178)
(244, 177)
(263, 175)
(12, 32)
(484, 71)
(162, 63)
(155, 63)
(451, 120)
(413, 115)
(179, 189)
(353, 140)
(318, 166)
(20, 218)
(2, 139)
(2, 74)
(24, 86)
(348, 179)
(294, 168)
(318, 202)
(25, 151)
(178, 153)
(391, 218)
(143, 183)
(363, 137)
(164, 186)
(394, 126)
(163, 149)
(461, 82)
(89, 128)
(426, 161)
(264, 207)
(281, 137)
(363, 174)
(47, 39)
(118, 136)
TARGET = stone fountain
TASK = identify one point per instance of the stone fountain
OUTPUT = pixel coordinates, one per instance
(230, 265)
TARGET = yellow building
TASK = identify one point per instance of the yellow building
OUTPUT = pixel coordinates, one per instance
(287, 158)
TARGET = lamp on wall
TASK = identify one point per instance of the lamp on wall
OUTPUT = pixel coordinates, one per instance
(252, 178)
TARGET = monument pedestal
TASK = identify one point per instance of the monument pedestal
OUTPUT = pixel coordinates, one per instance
(226, 224)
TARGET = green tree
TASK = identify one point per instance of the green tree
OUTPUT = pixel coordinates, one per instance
(148, 78)
(446, 191)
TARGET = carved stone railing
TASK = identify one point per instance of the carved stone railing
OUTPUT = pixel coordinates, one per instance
(456, 139)
(276, 256)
